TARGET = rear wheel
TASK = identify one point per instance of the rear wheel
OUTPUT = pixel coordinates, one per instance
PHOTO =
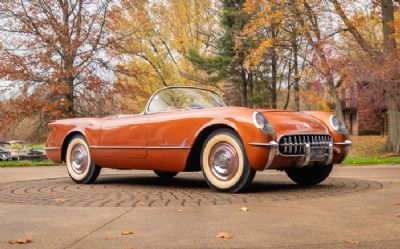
(81, 168)
(224, 162)
(165, 174)
(309, 175)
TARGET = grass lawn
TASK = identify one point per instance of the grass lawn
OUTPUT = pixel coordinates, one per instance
(372, 160)
(36, 146)
(26, 163)
(368, 150)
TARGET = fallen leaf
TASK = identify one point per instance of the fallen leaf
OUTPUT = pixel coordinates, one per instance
(396, 203)
(224, 235)
(180, 210)
(140, 203)
(353, 242)
(111, 237)
(21, 241)
(59, 200)
(127, 233)
(398, 215)
(244, 209)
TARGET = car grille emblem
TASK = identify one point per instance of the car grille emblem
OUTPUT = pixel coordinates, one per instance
(306, 126)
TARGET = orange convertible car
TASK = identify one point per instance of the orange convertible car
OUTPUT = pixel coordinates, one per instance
(191, 129)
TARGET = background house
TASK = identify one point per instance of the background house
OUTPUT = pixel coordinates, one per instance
(363, 109)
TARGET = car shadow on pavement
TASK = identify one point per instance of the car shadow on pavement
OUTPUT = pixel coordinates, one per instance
(191, 183)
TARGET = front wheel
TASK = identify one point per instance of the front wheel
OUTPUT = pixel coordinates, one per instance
(81, 168)
(224, 162)
(308, 176)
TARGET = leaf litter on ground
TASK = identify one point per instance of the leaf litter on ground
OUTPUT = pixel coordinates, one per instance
(224, 235)
(25, 240)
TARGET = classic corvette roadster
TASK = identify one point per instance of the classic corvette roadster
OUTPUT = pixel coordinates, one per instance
(191, 129)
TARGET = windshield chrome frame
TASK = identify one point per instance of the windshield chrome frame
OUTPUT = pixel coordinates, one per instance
(146, 110)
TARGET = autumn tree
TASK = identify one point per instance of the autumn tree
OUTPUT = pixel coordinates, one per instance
(157, 39)
(228, 64)
(385, 61)
(53, 55)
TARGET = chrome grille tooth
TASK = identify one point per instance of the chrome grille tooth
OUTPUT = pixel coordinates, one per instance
(285, 144)
(295, 144)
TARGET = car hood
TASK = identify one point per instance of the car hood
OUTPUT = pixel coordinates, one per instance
(291, 122)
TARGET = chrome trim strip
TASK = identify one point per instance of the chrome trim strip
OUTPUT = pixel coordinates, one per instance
(346, 143)
(139, 147)
(52, 148)
(303, 133)
(168, 147)
(270, 144)
(117, 147)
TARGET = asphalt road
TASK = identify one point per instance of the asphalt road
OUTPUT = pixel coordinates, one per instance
(355, 208)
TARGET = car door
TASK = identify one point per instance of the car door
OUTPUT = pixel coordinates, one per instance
(170, 135)
(123, 142)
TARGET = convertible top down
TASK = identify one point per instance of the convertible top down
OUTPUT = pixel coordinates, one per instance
(191, 129)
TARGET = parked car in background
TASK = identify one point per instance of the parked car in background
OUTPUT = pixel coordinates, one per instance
(19, 150)
(37, 154)
(4, 154)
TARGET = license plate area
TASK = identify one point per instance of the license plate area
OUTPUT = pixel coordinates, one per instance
(318, 154)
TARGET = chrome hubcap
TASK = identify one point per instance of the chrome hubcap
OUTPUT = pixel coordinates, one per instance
(224, 161)
(79, 159)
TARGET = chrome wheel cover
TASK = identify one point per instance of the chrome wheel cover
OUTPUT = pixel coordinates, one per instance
(224, 161)
(79, 159)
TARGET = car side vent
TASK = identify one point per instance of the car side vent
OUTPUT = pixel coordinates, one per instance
(296, 144)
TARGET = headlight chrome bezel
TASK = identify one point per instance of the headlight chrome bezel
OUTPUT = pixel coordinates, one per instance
(338, 125)
(262, 123)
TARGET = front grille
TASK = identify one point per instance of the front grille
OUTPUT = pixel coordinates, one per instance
(296, 144)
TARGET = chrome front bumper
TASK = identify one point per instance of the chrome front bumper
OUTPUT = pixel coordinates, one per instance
(305, 159)
(347, 144)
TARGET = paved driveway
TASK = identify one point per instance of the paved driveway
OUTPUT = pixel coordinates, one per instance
(352, 209)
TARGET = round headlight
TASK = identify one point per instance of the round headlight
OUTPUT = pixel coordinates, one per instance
(262, 123)
(338, 125)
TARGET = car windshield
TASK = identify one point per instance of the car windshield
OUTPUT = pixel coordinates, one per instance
(176, 98)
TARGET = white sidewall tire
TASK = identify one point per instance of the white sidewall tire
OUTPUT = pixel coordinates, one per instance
(75, 176)
(218, 183)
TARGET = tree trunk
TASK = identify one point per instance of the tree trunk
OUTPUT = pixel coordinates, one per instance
(68, 57)
(244, 88)
(274, 68)
(296, 71)
(251, 89)
(392, 85)
(336, 99)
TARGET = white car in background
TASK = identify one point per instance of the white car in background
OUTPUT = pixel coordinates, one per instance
(19, 150)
